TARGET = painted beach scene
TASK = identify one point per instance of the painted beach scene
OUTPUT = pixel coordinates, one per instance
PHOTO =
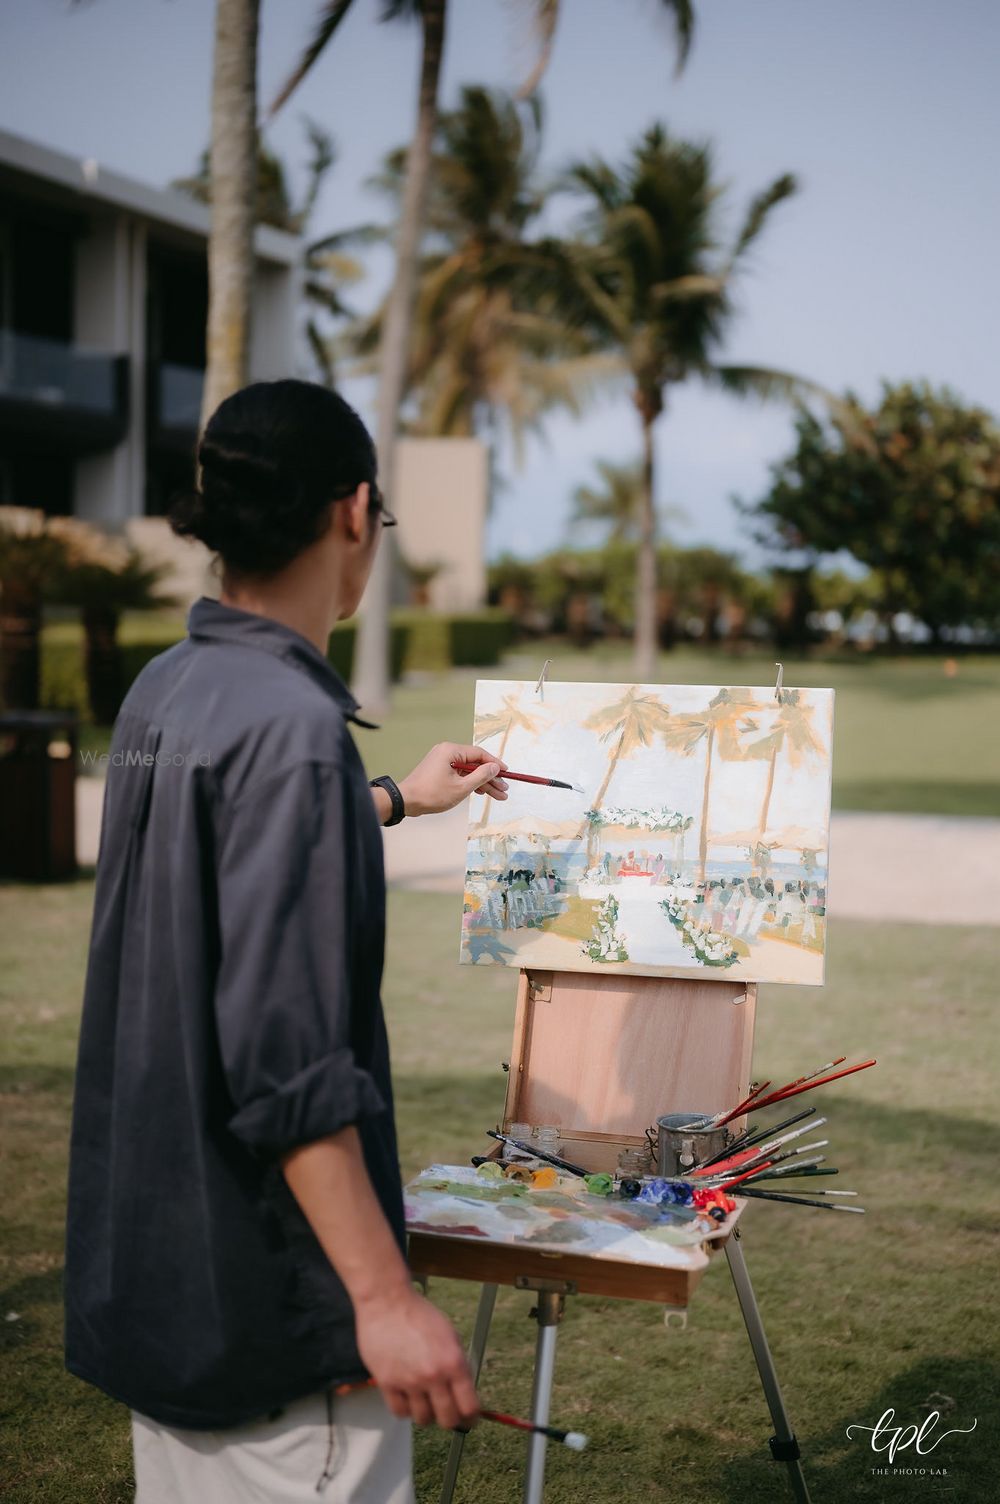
(694, 841)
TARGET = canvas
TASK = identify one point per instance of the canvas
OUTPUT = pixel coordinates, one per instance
(697, 847)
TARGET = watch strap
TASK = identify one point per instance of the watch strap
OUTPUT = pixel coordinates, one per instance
(395, 797)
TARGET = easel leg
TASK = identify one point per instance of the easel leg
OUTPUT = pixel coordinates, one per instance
(548, 1313)
(784, 1447)
(477, 1348)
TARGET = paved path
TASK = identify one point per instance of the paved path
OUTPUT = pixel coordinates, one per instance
(927, 869)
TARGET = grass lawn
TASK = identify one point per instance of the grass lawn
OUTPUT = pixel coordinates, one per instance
(906, 736)
(862, 1315)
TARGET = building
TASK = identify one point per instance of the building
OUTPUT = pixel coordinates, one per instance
(103, 305)
(103, 302)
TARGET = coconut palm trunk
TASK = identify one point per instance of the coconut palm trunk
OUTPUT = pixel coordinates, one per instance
(484, 818)
(233, 162)
(371, 666)
(765, 809)
(649, 405)
(703, 833)
(587, 828)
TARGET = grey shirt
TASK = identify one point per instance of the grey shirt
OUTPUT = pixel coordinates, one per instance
(231, 1012)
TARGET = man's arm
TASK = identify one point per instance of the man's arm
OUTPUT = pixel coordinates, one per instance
(411, 1350)
(434, 785)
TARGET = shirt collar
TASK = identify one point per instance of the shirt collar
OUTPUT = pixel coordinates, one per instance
(211, 620)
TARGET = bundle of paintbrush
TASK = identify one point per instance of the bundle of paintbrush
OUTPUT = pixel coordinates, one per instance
(809, 1082)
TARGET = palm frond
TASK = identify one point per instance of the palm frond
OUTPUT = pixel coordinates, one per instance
(758, 212)
(330, 18)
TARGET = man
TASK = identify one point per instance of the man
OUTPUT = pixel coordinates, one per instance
(235, 1241)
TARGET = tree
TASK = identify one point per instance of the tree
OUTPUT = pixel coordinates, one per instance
(717, 727)
(646, 279)
(912, 490)
(326, 260)
(630, 723)
(483, 345)
(371, 665)
(501, 723)
(790, 733)
(614, 502)
(31, 558)
(234, 177)
(547, 13)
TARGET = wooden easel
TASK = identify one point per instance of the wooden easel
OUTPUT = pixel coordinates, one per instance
(603, 1056)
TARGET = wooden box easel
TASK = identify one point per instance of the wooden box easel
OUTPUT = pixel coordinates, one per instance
(603, 1056)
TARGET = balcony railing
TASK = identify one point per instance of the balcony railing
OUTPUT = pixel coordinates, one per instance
(51, 388)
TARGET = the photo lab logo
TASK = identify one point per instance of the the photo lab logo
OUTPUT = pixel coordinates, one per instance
(891, 1440)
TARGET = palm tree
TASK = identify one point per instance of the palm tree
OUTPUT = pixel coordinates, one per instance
(547, 18)
(615, 501)
(234, 176)
(326, 260)
(791, 733)
(501, 723)
(630, 723)
(371, 658)
(717, 727)
(480, 346)
(647, 278)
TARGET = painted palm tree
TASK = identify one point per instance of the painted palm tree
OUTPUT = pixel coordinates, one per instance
(648, 277)
(501, 722)
(791, 734)
(233, 168)
(718, 729)
(627, 725)
(481, 347)
(547, 14)
(371, 659)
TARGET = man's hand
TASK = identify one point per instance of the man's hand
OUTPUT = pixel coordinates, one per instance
(415, 1357)
(434, 785)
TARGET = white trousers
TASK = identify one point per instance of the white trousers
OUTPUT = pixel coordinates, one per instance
(364, 1457)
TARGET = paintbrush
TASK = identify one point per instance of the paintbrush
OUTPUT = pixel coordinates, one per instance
(552, 783)
(550, 1159)
(727, 1114)
(807, 1172)
(826, 1206)
(744, 1156)
(784, 1168)
(575, 1440)
(753, 1136)
(793, 1091)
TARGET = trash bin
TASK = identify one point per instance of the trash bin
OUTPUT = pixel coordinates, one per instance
(38, 794)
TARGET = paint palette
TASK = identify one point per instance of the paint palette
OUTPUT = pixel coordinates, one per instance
(698, 847)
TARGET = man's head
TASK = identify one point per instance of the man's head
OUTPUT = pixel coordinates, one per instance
(287, 477)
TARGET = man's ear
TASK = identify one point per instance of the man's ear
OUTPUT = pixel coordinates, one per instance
(356, 512)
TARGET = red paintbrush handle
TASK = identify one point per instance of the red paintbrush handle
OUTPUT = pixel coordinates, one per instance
(473, 767)
(781, 1096)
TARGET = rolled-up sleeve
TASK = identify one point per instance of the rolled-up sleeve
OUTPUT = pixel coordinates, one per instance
(283, 990)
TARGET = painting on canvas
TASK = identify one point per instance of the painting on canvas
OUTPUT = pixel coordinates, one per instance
(695, 843)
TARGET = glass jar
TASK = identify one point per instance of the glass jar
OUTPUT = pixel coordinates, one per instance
(546, 1137)
(635, 1163)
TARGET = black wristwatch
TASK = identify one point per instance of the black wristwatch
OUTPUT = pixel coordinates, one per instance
(395, 797)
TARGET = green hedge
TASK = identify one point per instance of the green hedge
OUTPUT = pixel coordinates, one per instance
(421, 640)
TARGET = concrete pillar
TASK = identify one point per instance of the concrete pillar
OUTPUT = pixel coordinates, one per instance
(275, 311)
(442, 490)
(110, 316)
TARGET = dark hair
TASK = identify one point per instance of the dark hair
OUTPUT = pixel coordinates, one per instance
(272, 458)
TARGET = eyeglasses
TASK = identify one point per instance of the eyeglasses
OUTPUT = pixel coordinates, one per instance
(378, 501)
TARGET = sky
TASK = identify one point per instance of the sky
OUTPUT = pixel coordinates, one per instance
(882, 267)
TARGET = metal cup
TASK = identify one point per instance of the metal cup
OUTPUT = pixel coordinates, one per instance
(684, 1141)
